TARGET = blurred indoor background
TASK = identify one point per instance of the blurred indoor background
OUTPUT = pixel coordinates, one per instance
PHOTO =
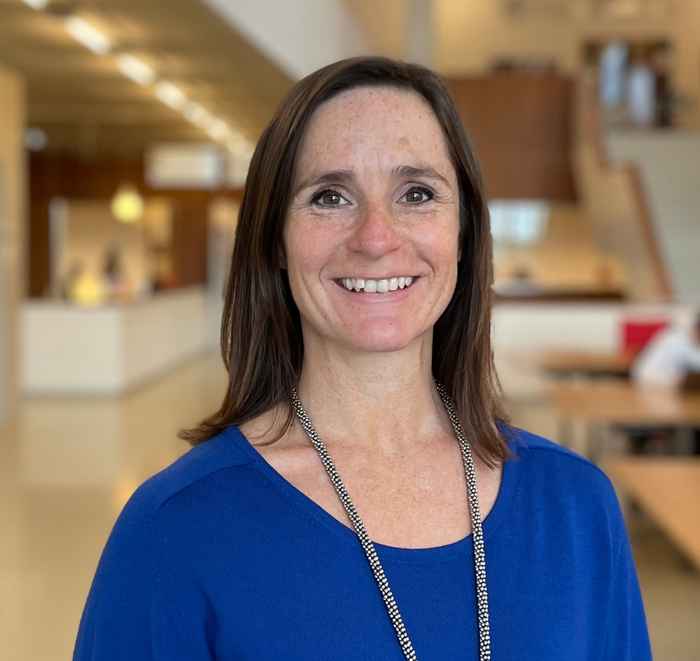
(126, 129)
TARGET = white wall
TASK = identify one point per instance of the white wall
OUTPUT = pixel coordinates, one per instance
(12, 221)
(300, 36)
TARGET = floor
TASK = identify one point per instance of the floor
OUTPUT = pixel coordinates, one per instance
(70, 464)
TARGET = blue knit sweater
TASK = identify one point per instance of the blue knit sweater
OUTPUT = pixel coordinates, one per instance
(220, 557)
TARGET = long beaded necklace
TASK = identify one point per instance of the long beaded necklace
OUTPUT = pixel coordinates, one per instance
(368, 546)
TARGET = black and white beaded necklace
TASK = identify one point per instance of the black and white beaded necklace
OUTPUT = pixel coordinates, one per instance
(368, 547)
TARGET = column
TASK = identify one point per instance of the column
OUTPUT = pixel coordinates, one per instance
(12, 236)
(419, 32)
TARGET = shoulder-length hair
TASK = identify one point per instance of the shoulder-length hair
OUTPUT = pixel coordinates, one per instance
(261, 337)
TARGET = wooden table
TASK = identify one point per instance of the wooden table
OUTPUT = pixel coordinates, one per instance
(587, 363)
(619, 402)
(623, 402)
(668, 490)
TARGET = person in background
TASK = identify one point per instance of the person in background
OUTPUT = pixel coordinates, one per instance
(80, 286)
(641, 91)
(613, 62)
(70, 279)
(163, 275)
(116, 283)
(661, 66)
(672, 353)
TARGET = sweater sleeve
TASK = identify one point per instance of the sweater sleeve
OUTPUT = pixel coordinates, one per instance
(627, 638)
(128, 615)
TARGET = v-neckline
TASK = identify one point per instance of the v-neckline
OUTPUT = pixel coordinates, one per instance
(301, 501)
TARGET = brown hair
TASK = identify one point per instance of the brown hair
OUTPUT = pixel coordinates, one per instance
(261, 337)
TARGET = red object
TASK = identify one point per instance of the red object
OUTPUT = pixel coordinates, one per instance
(636, 334)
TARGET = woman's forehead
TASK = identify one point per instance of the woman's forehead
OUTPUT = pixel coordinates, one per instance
(375, 124)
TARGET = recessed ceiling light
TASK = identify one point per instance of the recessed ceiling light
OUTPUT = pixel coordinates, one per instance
(170, 95)
(36, 4)
(196, 114)
(88, 35)
(218, 129)
(135, 69)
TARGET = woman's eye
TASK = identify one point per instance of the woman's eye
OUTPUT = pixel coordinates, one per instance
(418, 194)
(328, 198)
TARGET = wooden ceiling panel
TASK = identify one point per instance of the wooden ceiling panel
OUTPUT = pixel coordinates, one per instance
(78, 96)
(97, 113)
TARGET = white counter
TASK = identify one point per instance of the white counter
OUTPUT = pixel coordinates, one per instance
(109, 349)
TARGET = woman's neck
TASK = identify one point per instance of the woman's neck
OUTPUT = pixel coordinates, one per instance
(373, 401)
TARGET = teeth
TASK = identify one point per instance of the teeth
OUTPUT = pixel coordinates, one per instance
(380, 286)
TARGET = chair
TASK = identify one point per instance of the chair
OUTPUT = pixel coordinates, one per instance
(637, 333)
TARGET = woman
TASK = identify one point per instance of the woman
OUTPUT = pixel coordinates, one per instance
(360, 278)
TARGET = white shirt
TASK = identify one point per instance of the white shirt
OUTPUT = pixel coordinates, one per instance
(612, 74)
(667, 358)
(641, 95)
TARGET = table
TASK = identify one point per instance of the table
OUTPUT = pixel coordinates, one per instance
(588, 363)
(668, 490)
(619, 402)
(623, 402)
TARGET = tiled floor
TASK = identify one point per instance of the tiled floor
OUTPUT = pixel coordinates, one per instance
(68, 466)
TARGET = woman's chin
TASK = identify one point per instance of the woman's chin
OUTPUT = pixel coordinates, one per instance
(380, 342)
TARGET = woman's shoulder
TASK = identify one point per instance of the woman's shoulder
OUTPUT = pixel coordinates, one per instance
(528, 444)
(144, 579)
(195, 469)
(547, 466)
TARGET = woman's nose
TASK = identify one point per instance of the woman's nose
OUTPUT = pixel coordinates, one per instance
(376, 232)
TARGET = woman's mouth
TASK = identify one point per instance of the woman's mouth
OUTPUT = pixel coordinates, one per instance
(376, 286)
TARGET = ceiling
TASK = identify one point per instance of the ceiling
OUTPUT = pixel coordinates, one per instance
(85, 104)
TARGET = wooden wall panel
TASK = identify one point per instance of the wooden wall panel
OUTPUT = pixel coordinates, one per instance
(189, 242)
(520, 125)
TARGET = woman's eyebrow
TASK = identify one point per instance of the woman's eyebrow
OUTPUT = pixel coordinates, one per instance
(426, 171)
(332, 177)
(342, 176)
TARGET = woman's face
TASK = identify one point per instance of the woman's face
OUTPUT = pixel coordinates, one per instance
(371, 234)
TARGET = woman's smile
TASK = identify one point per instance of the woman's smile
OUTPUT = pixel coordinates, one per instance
(376, 285)
(376, 291)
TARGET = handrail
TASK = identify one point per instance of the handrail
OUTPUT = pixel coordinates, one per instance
(589, 132)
